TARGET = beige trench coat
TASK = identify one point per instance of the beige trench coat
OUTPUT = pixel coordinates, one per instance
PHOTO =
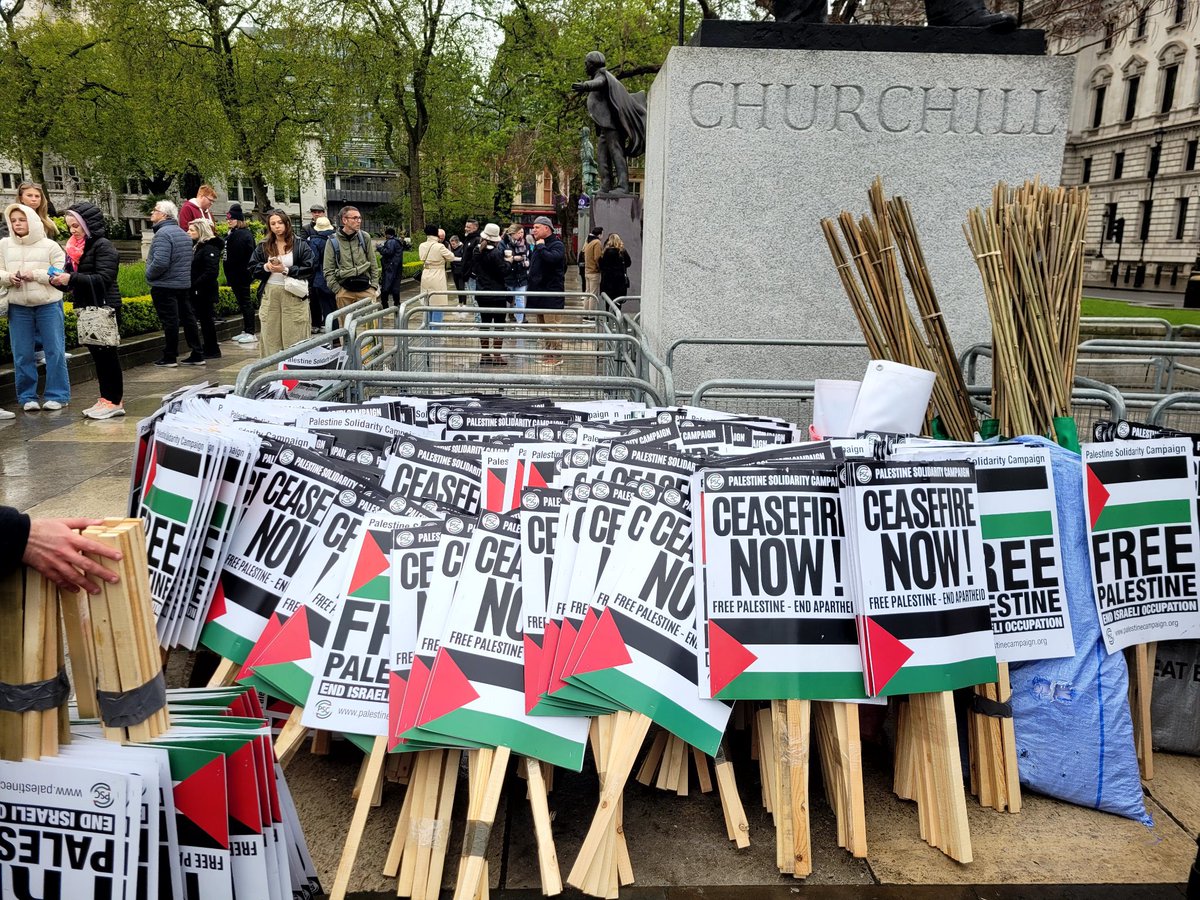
(433, 277)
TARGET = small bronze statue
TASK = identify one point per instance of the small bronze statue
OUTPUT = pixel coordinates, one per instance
(620, 119)
(938, 13)
(587, 158)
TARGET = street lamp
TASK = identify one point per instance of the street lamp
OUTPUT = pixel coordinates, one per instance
(1155, 155)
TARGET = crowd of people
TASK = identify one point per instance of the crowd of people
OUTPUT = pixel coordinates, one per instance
(302, 277)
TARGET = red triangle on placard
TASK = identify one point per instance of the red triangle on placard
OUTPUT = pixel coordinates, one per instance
(151, 472)
(728, 658)
(291, 644)
(886, 656)
(289, 383)
(410, 706)
(494, 491)
(533, 665)
(371, 563)
(194, 799)
(605, 649)
(396, 687)
(536, 478)
(216, 609)
(274, 623)
(1097, 496)
(243, 800)
(449, 689)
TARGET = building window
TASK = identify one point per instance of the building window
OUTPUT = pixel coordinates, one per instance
(247, 192)
(1118, 164)
(1189, 158)
(1087, 171)
(1132, 84)
(1180, 11)
(9, 181)
(330, 183)
(1139, 30)
(1181, 211)
(1170, 75)
(1098, 105)
(1109, 31)
(1144, 225)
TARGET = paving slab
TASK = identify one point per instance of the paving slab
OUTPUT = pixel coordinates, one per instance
(1176, 787)
(99, 497)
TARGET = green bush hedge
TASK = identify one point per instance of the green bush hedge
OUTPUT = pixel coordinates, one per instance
(137, 317)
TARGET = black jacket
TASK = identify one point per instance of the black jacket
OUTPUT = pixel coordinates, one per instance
(14, 535)
(239, 247)
(613, 280)
(303, 263)
(94, 282)
(547, 267)
(206, 266)
(490, 269)
(469, 248)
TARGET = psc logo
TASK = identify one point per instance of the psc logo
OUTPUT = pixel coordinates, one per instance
(579, 458)
(646, 490)
(620, 452)
(324, 709)
(491, 521)
(102, 797)
(672, 497)
(454, 525)
(863, 474)
(365, 457)
(397, 505)
(407, 449)
(347, 497)
(287, 456)
(530, 500)
(714, 482)
(600, 491)
(455, 421)
(405, 539)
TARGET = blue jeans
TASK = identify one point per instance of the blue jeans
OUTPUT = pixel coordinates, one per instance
(25, 325)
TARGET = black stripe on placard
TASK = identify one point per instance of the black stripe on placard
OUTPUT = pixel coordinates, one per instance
(657, 646)
(935, 623)
(1015, 478)
(177, 459)
(248, 595)
(489, 670)
(790, 631)
(1156, 468)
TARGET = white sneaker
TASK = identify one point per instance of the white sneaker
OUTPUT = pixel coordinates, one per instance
(51, 405)
(245, 338)
(105, 410)
(32, 406)
(5, 414)
(40, 358)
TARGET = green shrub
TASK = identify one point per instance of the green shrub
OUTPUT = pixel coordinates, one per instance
(131, 279)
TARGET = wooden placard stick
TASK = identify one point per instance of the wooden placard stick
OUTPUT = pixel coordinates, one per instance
(540, 809)
(64, 717)
(322, 741)
(52, 634)
(12, 639)
(358, 821)
(945, 775)
(650, 764)
(441, 833)
(416, 790)
(702, 775)
(797, 737)
(32, 650)
(1140, 659)
(107, 677)
(132, 666)
(78, 627)
(766, 758)
(135, 578)
(627, 742)
(736, 826)
(475, 841)
(785, 859)
(223, 677)
(291, 737)
(854, 806)
(391, 865)
(427, 822)
(1012, 773)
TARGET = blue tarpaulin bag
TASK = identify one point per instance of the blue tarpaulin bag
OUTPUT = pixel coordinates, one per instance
(1073, 729)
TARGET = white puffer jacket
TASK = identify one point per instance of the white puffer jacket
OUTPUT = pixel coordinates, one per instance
(34, 253)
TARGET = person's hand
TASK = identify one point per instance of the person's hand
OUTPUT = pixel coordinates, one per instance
(56, 549)
(16, 279)
(578, 86)
(60, 280)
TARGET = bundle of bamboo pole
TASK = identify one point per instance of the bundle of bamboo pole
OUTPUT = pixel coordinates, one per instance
(31, 663)
(880, 304)
(1029, 248)
(118, 627)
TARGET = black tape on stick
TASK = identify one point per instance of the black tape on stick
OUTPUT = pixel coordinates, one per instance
(36, 696)
(992, 708)
(121, 709)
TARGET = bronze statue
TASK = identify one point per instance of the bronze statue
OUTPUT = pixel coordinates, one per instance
(938, 13)
(587, 159)
(620, 119)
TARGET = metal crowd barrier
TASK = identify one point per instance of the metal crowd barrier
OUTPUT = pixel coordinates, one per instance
(1180, 411)
(251, 371)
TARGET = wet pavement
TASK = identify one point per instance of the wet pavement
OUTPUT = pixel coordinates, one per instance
(60, 464)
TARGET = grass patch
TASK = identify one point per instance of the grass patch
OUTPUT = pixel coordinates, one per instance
(1093, 306)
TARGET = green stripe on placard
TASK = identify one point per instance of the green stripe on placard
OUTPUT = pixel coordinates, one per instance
(935, 679)
(285, 680)
(378, 588)
(795, 686)
(1151, 512)
(521, 737)
(223, 642)
(218, 517)
(1016, 525)
(662, 710)
(164, 503)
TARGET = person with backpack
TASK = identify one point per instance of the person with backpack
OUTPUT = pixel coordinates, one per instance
(349, 263)
(319, 293)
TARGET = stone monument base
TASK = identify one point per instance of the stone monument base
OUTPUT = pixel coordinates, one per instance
(748, 149)
(622, 213)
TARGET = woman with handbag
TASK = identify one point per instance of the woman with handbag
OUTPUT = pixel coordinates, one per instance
(206, 269)
(283, 266)
(91, 277)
